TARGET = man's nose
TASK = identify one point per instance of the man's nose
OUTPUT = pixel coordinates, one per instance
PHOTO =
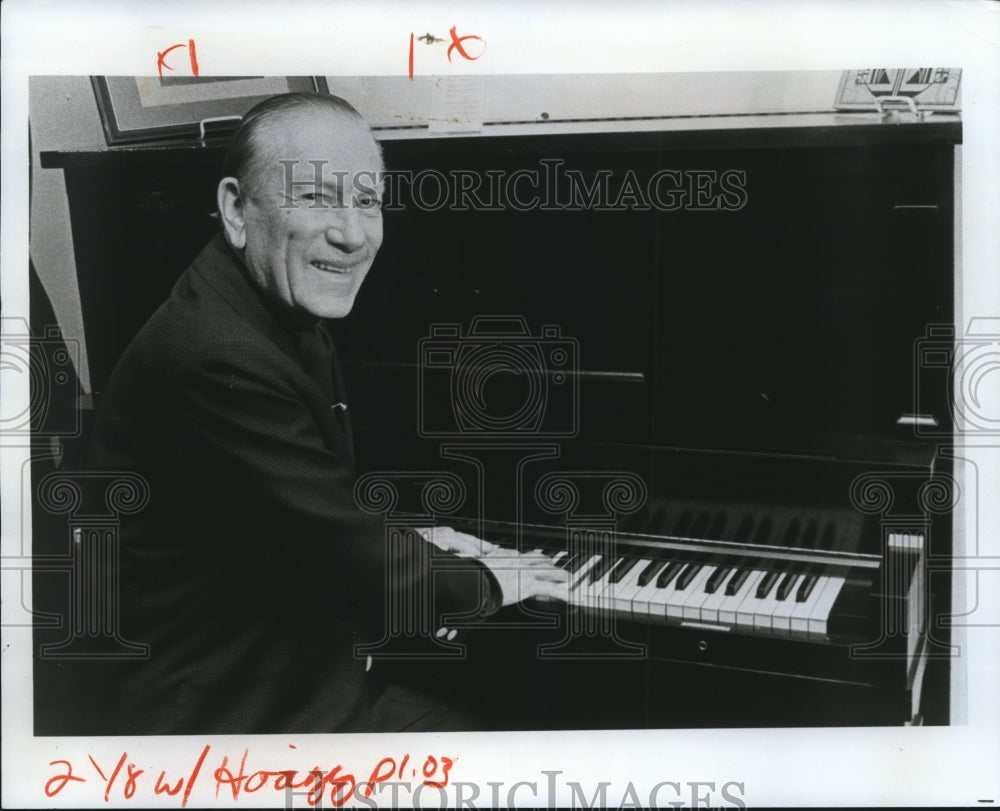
(345, 229)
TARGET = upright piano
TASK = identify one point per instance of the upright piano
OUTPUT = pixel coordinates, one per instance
(683, 359)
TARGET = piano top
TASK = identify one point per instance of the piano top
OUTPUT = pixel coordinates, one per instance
(681, 132)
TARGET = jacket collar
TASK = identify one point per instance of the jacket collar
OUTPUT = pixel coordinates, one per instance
(220, 267)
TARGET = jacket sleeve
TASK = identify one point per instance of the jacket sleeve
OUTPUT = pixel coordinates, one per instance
(243, 428)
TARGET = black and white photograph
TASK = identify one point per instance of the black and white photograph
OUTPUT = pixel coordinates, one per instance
(447, 427)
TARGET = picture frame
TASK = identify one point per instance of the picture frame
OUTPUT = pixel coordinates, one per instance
(136, 109)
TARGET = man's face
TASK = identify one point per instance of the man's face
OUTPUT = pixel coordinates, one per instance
(308, 245)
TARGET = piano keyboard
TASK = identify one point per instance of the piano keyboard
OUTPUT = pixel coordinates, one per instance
(707, 591)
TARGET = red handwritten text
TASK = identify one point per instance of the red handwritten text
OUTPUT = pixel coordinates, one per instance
(161, 57)
(313, 783)
(387, 768)
(456, 44)
(57, 783)
(336, 785)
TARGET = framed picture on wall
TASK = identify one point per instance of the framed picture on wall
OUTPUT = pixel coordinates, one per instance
(145, 108)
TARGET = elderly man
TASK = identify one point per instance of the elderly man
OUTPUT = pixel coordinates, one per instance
(252, 575)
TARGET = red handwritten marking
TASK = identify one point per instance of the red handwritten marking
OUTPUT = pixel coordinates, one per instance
(340, 787)
(446, 764)
(61, 779)
(133, 775)
(456, 43)
(162, 787)
(114, 774)
(343, 784)
(377, 776)
(224, 775)
(194, 57)
(194, 775)
(387, 768)
(98, 768)
(314, 781)
(161, 57)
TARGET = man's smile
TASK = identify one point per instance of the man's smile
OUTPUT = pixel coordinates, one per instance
(332, 268)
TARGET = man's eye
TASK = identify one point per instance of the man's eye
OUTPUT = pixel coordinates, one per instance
(315, 197)
(367, 201)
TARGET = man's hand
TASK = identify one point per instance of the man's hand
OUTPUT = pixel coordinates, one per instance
(526, 574)
(462, 544)
(521, 575)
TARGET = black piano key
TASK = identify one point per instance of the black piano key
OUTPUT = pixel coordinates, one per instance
(602, 567)
(668, 574)
(808, 584)
(786, 584)
(763, 530)
(810, 534)
(683, 523)
(625, 565)
(766, 584)
(737, 580)
(568, 561)
(718, 525)
(689, 573)
(745, 528)
(657, 521)
(651, 570)
(578, 561)
(716, 579)
(700, 525)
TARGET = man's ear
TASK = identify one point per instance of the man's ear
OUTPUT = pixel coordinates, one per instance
(229, 199)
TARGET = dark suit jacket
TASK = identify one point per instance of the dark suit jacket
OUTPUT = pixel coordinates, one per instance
(251, 574)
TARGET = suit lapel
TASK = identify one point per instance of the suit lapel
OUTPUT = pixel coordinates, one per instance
(221, 269)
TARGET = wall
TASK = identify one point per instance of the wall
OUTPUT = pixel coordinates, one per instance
(63, 115)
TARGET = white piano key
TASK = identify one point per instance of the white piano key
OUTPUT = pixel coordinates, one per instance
(578, 577)
(641, 601)
(799, 623)
(678, 598)
(710, 608)
(692, 606)
(750, 605)
(821, 611)
(781, 617)
(627, 588)
(727, 611)
(660, 598)
(764, 612)
(592, 594)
